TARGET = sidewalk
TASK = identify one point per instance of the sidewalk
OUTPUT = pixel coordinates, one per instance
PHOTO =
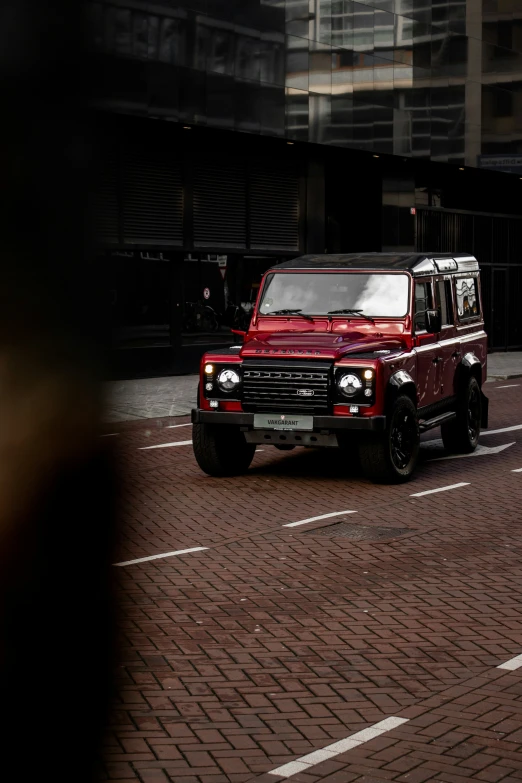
(151, 398)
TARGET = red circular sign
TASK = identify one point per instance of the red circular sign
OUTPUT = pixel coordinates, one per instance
(206, 293)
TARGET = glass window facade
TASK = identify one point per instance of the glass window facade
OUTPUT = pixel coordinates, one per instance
(439, 80)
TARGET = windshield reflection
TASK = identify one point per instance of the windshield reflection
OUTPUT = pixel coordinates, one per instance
(375, 294)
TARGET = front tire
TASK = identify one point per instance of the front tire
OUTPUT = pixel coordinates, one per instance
(221, 450)
(461, 435)
(391, 458)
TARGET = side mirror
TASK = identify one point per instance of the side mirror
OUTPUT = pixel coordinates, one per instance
(433, 321)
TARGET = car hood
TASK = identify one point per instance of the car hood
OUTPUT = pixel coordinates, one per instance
(324, 345)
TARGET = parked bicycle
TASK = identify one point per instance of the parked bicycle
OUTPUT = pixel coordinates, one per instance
(199, 317)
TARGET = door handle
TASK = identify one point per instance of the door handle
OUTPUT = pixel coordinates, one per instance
(436, 360)
(455, 354)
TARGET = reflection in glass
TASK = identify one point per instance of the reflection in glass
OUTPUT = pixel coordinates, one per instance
(467, 300)
(247, 106)
(118, 31)
(320, 68)
(247, 53)
(298, 18)
(397, 58)
(171, 41)
(272, 110)
(220, 54)
(319, 118)
(140, 36)
(297, 66)
(297, 114)
(271, 61)
(375, 294)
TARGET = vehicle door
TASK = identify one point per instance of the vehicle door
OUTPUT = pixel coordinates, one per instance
(427, 348)
(449, 341)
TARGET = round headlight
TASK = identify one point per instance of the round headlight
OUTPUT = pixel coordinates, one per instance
(228, 380)
(349, 384)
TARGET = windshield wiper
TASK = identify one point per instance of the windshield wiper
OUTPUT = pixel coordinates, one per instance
(349, 311)
(291, 311)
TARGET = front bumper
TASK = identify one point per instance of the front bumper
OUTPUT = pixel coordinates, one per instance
(322, 424)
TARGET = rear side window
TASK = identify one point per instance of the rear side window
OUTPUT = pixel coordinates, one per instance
(443, 288)
(423, 302)
(467, 297)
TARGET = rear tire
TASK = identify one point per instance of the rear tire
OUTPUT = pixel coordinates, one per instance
(221, 450)
(391, 458)
(461, 435)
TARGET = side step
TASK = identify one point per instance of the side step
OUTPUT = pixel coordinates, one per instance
(429, 424)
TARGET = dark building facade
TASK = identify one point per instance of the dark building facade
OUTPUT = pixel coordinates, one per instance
(236, 135)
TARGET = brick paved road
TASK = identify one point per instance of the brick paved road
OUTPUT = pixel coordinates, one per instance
(276, 642)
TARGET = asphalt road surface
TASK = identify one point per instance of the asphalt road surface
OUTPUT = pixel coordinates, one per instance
(301, 623)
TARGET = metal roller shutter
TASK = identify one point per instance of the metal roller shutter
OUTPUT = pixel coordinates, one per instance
(152, 192)
(274, 208)
(105, 207)
(219, 205)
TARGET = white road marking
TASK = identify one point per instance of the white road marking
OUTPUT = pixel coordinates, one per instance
(315, 519)
(511, 386)
(330, 751)
(512, 664)
(166, 445)
(517, 470)
(480, 451)
(164, 554)
(437, 443)
(439, 489)
(504, 429)
(173, 426)
(110, 435)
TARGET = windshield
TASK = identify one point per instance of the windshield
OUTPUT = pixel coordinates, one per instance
(375, 294)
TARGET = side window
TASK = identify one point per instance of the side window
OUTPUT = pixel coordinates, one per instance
(423, 302)
(467, 297)
(443, 288)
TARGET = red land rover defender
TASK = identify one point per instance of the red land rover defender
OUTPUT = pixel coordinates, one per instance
(357, 350)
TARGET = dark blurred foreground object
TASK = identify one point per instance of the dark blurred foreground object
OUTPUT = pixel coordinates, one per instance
(56, 477)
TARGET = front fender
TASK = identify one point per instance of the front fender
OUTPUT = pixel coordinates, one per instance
(470, 360)
(399, 378)
(400, 382)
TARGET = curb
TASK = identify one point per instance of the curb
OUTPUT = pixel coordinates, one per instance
(144, 424)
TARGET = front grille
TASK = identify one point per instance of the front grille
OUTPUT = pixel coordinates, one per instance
(276, 387)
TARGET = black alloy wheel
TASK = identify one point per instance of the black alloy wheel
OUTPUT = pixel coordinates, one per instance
(403, 438)
(461, 435)
(474, 413)
(391, 457)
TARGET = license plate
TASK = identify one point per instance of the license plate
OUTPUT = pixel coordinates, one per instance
(280, 421)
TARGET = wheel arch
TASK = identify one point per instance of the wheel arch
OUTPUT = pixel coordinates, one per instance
(471, 367)
(400, 383)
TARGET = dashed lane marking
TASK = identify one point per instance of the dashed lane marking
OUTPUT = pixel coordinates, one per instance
(517, 470)
(164, 554)
(304, 763)
(109, 435)
(480, 451)
(439, 489)
(166, 445)
(174, 426)
(510, 386)
(503, 429)
(512, 664)
(316, 519)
